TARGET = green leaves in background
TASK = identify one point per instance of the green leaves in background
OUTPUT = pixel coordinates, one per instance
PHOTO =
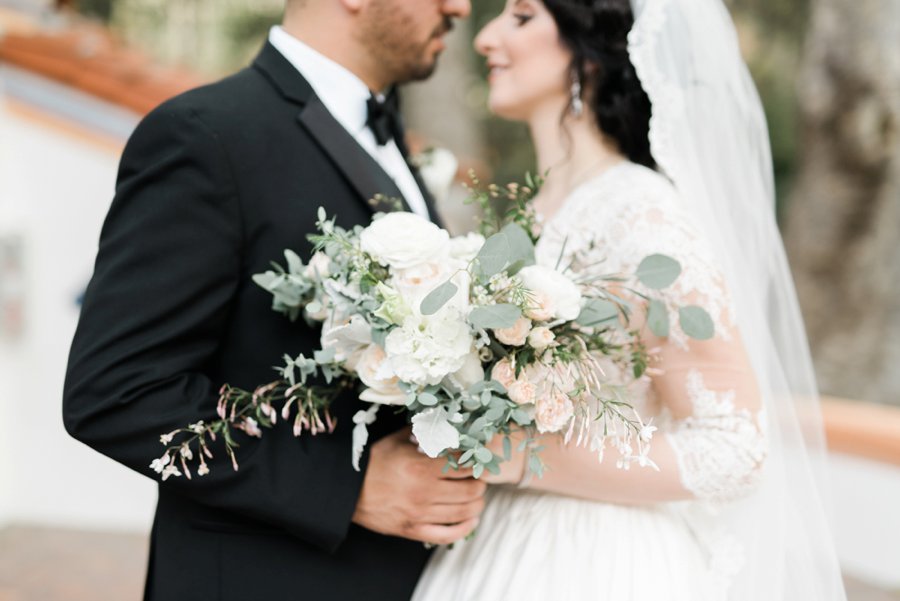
(508, 246)
(492, 317)
(438, 297)
(696, 322)
(658, 271)
(597, 312)
(658, 318)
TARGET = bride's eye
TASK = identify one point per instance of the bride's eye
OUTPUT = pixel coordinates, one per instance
(522, 18)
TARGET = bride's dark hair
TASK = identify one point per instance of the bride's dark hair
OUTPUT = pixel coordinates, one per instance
(596, 31)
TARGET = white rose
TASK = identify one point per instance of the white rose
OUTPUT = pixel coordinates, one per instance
(347, 336)
(465, 248)
(541, 337)
(555, 295)
(469, 374)
(426, 349)
(402, 240)
(438, 170)
(318, 266)
(517, 334)
(375, 372)
(417, 282)
(553, 412)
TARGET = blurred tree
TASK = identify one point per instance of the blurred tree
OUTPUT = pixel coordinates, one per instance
(99, 9)
(771, 38)
(844, 216)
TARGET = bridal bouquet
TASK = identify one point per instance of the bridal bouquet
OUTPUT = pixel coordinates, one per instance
(467, 334)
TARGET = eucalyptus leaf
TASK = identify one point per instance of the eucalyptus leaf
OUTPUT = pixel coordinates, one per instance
(521, 417)
(494, 413)
(438, 297)
(483, 455)
(493, 467)
(379, 336)
(507, 448)
(477, 470)
(428, 399)
(658, 318)
(658, 271)
(520, 245)
(596, 312)
(492, 317)
(696, 322)
(495, 254)
(294, 262)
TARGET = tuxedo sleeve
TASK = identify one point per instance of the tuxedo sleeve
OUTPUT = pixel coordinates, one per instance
(167, 271)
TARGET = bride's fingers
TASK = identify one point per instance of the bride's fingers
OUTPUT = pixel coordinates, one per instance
(443, 535)
(459, 474)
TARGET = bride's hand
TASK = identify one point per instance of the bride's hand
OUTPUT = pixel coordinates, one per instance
(512, 471)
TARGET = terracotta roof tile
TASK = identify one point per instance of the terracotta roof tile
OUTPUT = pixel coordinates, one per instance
(89, 58)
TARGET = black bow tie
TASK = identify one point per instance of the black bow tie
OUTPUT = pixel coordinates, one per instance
(383, 118)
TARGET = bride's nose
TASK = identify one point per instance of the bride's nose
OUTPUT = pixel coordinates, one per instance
(486, 40)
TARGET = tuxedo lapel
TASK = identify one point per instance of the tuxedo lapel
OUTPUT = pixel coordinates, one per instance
(362, 171)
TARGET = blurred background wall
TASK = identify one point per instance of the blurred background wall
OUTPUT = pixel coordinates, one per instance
(75, 76)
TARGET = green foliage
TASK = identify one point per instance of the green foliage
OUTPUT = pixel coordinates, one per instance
(658, 271)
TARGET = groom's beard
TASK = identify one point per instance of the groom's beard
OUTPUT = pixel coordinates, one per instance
(403, 58)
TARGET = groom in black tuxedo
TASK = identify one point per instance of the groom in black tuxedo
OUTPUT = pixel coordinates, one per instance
(213, 185)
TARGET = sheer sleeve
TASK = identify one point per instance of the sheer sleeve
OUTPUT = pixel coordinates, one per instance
(703, 395)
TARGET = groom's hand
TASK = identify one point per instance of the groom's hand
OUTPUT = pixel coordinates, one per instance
(405, 494)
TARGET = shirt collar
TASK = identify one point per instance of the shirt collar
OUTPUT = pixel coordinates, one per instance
(343, 93)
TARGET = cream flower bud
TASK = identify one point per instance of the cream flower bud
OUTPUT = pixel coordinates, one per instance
(515, 335)
(541, 337)
(553, 412)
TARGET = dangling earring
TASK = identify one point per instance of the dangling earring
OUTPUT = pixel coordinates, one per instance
(575, 93)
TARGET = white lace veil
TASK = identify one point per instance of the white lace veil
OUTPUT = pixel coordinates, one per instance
(708, 135)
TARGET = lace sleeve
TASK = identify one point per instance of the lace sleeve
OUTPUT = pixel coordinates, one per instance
(711, 442)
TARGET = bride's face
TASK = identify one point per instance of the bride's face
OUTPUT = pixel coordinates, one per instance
(527, 60)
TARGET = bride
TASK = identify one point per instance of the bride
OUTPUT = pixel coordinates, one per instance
(652, 135)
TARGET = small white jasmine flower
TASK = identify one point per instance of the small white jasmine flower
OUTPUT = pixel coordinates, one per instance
(159, 464)
(198, 427)
(203, 469)
(166, 438)
(251, 427)
(646, 433)
(186, 452)
(171, 470)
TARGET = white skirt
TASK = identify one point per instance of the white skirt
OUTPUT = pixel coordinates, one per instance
(545, 547)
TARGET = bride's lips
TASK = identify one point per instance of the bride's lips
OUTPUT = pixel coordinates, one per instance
(494, 70)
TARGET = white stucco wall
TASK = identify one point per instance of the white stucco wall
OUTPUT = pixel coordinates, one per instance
(55, 188)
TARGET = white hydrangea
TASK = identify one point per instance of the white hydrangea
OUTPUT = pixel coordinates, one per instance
(425, 349)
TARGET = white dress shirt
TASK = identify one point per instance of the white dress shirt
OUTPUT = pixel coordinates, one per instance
(345, 96)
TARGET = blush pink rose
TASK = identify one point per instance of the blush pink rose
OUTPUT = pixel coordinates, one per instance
(504, 372)
(515, 335)
(553, 412)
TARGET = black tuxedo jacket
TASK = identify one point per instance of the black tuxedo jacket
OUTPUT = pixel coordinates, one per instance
(212, 186)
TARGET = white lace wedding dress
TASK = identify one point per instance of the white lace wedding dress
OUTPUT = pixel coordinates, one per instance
(710, 445)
